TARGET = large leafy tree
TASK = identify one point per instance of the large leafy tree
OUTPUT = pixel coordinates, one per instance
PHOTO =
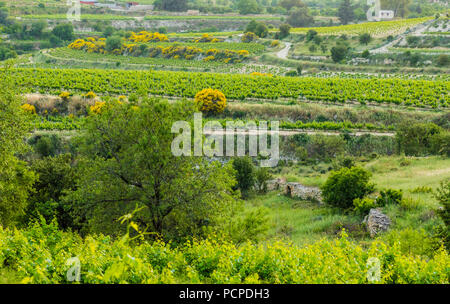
(127, 161)
(15, 178)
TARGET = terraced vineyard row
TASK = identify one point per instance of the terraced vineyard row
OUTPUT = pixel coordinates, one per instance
(420, 93)
(376, 29)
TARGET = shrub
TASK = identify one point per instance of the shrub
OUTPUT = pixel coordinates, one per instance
(29, 108)
(262, 175)
(249, 37)
(389, 196)
(443, 196)
(64, 96)
(344, 186)
(97, 107)
(365, 38)
(211, 101)
(90, 95)
(363, 206)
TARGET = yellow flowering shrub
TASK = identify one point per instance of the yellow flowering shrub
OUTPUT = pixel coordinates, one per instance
(97, 107)
(145, 36)
(90, 95)
(209, 58)
(29, 108)
(64, 96)
(211, 101)
(275, 43)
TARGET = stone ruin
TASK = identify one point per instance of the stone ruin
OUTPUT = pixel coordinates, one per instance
(295, 190)
(376, 222)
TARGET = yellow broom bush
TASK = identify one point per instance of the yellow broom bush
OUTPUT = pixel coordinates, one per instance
(211, 101)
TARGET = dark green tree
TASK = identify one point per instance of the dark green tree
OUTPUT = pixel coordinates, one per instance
(284, 31)
(365, 38)
(245, 174)
(299, 17)
(345, 12)
(63, 31)
(171, 5)
(339, 52)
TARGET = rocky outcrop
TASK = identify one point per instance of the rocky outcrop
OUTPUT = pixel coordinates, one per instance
(376, 222)
(297, 190)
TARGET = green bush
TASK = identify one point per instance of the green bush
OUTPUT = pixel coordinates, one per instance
(389, 196)
(344, 186)
(363, 206)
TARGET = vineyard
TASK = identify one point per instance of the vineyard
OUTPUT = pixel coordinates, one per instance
(420, 93)
(44, 250)
(376, 29)
(200, 142)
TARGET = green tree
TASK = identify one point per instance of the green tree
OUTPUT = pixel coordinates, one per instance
(345, 12)
(126, 160)
(443, 60)
(339, 52)
(344, 186)
(63, 31)
(113, 42)
(259, 28)
(284, 31)
(289, 4)
(15, 178)
(55, 176)
(246, 7)
(3, 13)
(299, 17)
(245, 174)
(37, 28)
(171, 5)
(416, 139)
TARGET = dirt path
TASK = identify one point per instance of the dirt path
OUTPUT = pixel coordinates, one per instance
(283, 54)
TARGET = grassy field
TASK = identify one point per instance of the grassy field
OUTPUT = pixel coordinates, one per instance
(304, 222)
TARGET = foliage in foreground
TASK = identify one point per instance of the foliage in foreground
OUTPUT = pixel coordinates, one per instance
(39, 254)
